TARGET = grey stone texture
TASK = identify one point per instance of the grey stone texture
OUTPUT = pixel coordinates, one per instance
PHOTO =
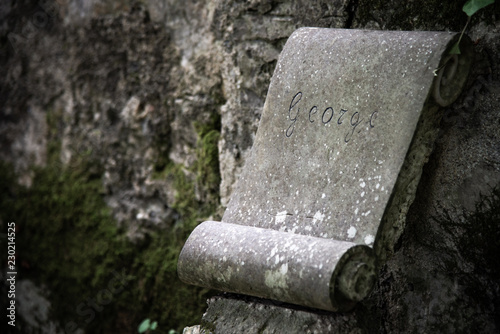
(310, 271)
(130, 80)
(328, 154)
(342, 110)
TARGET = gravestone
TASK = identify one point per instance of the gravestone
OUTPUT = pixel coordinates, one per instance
(349, 121)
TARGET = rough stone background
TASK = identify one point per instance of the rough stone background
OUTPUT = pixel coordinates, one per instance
(145, 91)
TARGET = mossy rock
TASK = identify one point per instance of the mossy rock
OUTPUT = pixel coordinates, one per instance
(68, 241)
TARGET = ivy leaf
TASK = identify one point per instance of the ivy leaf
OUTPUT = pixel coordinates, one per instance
(455, 50)
(144, 326)
(472, 6)
(154, 325)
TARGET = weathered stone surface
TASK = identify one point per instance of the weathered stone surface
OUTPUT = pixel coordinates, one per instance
(340, 115)
(293, 268)
(433, 282)
(327, 80)
(192, 330)
(27, 141)
(242, 314)
(423, 288)
(125, 112)
(101, 83)
(251, 36)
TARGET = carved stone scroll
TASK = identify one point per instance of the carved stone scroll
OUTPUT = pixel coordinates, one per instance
(349, 121)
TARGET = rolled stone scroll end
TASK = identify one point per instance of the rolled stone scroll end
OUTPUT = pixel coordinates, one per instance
(354, 277)
(453, 71)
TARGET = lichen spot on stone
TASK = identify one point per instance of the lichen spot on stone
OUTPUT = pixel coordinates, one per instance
(277, 278)
(318, 216)
(351, 232)
(369, 239)
(280, 217)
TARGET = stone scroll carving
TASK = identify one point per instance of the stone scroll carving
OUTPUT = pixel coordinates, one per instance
(349, 121)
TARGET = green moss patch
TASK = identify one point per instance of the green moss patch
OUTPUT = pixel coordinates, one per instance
(66, 241)
(98, 280)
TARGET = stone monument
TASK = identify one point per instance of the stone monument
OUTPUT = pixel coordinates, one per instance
(349, 120)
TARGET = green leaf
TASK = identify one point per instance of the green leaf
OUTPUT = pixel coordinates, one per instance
(154, 325)
(472, 6)
(455, 50)
(144, 326)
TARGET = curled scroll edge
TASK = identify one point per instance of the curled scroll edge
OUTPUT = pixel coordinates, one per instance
(305, 270)
(315, 272)
(452, 72)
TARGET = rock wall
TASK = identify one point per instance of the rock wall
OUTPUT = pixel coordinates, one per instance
(156, 103)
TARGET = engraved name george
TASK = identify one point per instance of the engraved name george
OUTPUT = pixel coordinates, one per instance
(326, 116)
